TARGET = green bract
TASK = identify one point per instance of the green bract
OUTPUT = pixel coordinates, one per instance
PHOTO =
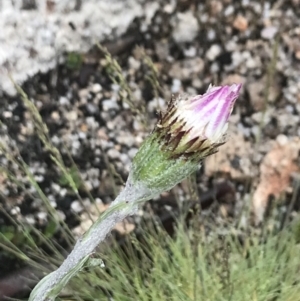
(156, 169)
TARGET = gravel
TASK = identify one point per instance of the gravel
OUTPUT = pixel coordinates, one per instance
(191, 45)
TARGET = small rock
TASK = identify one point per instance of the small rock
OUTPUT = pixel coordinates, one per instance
(190, 52)
(102, 134)
(169, 8)
(132, 152)
(297, 54)
(125, 139)
(215, 7)
(55, 115)
(261, 117)
(156, 104)
(82, 135)
(176, 85)
(245, 2)
(63, 101)
(7, 114)
(30, 219)
(162, 49)
(42, 216)
(55, 187)
(39, 178)
(133, 63)
(110, 104)
(83, 95)
(197, 83)
(183, 70)
(71, 116)
(76, 206)
(269, 33)
(55, 140)
(214, 68)
(234, 79)
(256, 93)
(282, 139)
(76, 144)
(63, 192)
(83, 128)
(237, 58)
(96, 88)
(92, 123)
(213, 52)
(137, 125)
(15, 210)
(124, 158)
(211, 34)
(229, 10)
(240, 23)
(61, 215)
(95, 183)
(113, 153)
(186, 27)
(92, 108)
(252, 63)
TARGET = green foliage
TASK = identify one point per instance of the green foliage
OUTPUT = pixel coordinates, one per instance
(7, 232)
(50, 229)
(71, 179)
(296, 230)
(222, 269)
(74, 60)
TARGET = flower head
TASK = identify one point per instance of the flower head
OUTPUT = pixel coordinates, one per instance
(199, 123)
(191, 129)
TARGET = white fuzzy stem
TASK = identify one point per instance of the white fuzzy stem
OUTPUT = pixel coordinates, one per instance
(123, 206)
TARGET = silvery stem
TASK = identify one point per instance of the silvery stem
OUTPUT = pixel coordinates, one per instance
(123, 206)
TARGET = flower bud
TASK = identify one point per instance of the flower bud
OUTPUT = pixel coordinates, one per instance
(191, 129)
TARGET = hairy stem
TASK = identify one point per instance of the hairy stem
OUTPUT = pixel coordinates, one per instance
(125, 204)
